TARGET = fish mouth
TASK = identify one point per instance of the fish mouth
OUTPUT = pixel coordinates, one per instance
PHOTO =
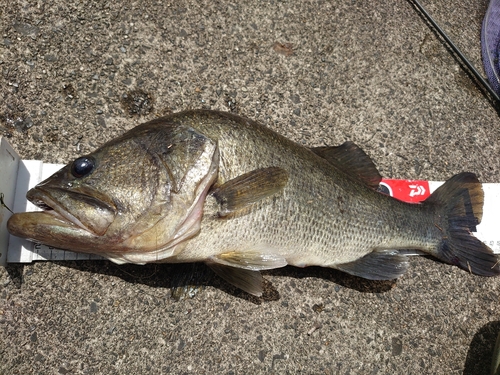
(71, 220)
(43, 206)
(49, 206)
(79, 208)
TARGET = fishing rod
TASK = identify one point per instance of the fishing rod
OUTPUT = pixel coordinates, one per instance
(478, 79)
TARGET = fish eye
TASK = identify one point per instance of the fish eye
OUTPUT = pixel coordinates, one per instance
(82, 166)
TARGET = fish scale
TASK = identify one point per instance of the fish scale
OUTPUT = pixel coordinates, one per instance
(342, 240)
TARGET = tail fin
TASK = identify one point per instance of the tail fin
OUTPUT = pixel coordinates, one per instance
(459, 209)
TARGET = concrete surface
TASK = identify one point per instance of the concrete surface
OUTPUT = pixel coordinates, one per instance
(374, 74)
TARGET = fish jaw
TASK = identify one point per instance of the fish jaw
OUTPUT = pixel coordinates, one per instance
(86, 210)
(70, 219)
(51, 228)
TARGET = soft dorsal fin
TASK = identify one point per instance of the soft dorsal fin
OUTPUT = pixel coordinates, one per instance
(352, 160)
(242, 192)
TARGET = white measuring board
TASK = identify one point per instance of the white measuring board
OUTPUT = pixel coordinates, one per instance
(9, 166)
(18, 176)
(20, 250)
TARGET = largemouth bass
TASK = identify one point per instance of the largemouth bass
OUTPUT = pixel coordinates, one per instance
(218, 188)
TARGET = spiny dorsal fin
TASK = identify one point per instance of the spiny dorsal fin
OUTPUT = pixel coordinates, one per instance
(352, 160)
(242, 192)
(246, 280)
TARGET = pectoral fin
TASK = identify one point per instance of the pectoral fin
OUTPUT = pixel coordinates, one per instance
(246, 280)
(239, 194)
(378, 265)
(352, 160)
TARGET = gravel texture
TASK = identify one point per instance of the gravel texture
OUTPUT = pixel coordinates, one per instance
(74, 74)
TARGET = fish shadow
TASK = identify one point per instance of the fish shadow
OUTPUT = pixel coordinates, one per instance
(187, 279)
(480, 354)
(335, 277)
(16, 272)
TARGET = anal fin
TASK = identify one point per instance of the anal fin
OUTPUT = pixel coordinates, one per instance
(378, 265)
